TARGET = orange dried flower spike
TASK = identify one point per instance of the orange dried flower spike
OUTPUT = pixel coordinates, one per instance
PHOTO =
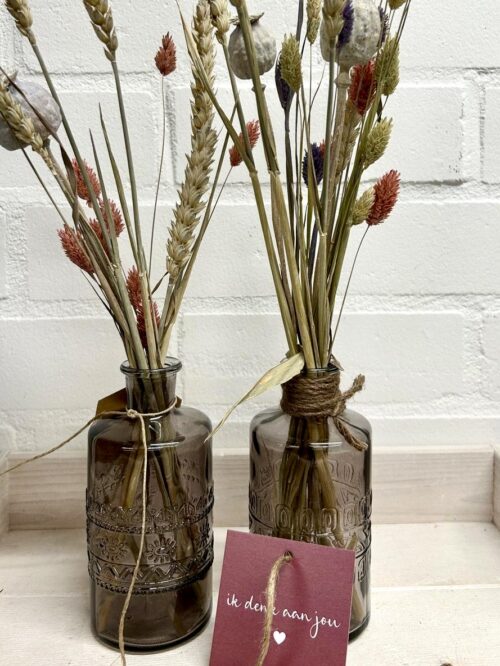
(166, 58)
(386, 196)
(73, 249)
(81, 187)
(363, 87)
(253, 131)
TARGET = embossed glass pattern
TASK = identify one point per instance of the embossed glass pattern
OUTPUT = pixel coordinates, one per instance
(308, 484)
(173, 593)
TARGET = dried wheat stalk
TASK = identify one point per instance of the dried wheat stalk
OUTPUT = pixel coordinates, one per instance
(102, 21)
(199, 161)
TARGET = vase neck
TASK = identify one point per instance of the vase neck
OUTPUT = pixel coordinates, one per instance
(151, 391)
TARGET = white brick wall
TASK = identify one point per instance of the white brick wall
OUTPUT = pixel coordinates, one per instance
(423, 318)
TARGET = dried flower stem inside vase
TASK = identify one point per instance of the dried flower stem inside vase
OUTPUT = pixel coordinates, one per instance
(309, 483)
(172, 595)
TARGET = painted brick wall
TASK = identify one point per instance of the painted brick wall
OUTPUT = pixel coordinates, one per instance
(423, 317)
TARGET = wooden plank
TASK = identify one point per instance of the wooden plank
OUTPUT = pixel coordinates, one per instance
(4, 495)
(435, 484)
(496, 489)
(410, 485)
(422, 622)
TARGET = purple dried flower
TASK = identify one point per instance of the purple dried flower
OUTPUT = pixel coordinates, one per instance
(317, 160)
(285, 93)
(348, 16)
(384, 21)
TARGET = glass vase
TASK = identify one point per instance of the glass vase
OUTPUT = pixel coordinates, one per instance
(309, 483)
(172, 596)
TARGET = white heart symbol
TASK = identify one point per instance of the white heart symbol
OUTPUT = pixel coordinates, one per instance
(279, 637)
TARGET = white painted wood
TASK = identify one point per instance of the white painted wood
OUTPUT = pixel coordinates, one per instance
(496, 489)
(443, 607)
(409, 485)
(4, 495)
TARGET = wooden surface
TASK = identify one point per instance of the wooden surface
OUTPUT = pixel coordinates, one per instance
(436, 600)
(4, 495)
(409, 485)
(496, 489)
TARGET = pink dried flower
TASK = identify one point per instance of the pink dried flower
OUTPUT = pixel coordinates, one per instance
(81, 187)
(116, 215)
(134, 288)
(386, 196)
(253, 131)
(166, 60)
(73, 249)
(363, 87)
(141, 323)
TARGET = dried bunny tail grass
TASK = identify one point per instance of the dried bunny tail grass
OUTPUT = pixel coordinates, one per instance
(350, 135)
(199, 161)
(166, 58)
(363, 206)
(135, 296)
(377, 141)
(386, 195)
(387, 67)
(101, 17)
(253, 132)
(134, 288)
(291, 63)
(313, 10)
(21, 13)
(73, 249)
(81, 187)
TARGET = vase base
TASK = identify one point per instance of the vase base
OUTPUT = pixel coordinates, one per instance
(359, 630)
(132, 648)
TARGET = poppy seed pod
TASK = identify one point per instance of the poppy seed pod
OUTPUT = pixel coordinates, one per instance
(31, 96)
(360, 37)
(265, 49)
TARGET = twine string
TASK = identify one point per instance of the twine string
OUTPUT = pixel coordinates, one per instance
(320, 396)
(133, 415)
(271, 588)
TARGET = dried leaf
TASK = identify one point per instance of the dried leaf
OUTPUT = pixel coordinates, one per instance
(280, 374)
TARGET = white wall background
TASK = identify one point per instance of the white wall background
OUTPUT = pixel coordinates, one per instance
(423, 320)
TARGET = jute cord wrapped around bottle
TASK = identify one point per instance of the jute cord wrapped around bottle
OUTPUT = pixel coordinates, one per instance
(320, 396)
(133, 415)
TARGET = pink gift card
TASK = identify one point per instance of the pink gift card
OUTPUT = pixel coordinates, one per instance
(311, 612)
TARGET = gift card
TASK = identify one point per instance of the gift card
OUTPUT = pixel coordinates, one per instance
(312, 607)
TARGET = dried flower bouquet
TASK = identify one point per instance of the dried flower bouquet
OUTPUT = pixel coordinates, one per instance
(94, 222)
(315, 208)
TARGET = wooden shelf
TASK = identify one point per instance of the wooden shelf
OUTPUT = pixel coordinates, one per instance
(435, 596)
(436, 562)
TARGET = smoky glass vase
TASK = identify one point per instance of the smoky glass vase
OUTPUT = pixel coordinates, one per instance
(172, 595)
(310, 480)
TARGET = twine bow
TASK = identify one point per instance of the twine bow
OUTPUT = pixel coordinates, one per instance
(320, 396)
(133, 415)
